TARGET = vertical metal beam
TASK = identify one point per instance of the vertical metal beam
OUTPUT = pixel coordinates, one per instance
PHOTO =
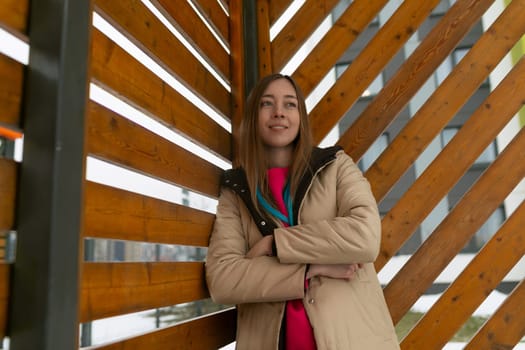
(45, 284)
(251, 62)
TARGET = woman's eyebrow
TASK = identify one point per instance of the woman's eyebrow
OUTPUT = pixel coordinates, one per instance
(285, 96)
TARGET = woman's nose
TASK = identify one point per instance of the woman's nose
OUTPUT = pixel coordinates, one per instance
(278, 112)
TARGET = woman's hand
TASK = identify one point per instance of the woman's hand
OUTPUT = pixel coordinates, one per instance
(341, 271)
(263, 247)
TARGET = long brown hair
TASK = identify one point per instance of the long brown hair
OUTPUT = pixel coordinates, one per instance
(251, 149)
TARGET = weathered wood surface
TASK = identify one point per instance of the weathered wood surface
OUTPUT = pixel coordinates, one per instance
(112, 137)
(14, 14)
(264, 46)
(215, 14)
(110, 289)
(8, 176)
(11, 83)
(277, 8)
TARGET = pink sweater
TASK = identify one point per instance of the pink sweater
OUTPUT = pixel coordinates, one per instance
(299, 333)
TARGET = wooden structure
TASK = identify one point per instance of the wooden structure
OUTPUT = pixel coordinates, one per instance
(49, 289)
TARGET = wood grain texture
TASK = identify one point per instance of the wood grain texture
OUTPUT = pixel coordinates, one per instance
(211, 10)
(8, 183)
(184, 17)
(367, 66)
(117, 214)
(110, 289)
(210, 332)
(298, 29)
(472, 286)
(145, 30)
(263, 39)
(119, 72)
(439, 108)
(277, 8)
(14, 13)
(338, 39)
(11, 84)
(412, 74)
(506, 327)
(112, 137)
(455, 159)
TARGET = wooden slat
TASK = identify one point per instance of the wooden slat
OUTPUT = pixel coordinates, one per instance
(455, 159)
(472, 286)
(110, 136)
(211, 10)
(14, 13)
(506, 327)
(8, 175)
(196, 31)
(110, 289)
(338, 39)
(298, 29)
(263, 39)
(411, 76)
(487, 194)
(211, 332)
(150, 34)
(118, 71)
(4, 297)
(363, 70)
(438, 110)
(277, 8)
(11, 82)
(117, 214)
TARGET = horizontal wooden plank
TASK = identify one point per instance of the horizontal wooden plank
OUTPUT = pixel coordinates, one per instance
(506, 327)
(472, 286)
(112, 137)
(210, 332)
(277, 8)
(11, 83)
(367, 66)
(455, 159)
(110, 289)
(195, 30)
(117, 214)
(14, 13)
(211, 10)
(118, 71)
(8, 176)
(298, 30)
(4, 297)
(336, 41)
(447, 240)
(439, 109)
(145, 30)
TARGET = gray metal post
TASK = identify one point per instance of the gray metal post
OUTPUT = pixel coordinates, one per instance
(45, 280)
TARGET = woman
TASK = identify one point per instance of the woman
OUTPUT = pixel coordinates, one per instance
(296, 233)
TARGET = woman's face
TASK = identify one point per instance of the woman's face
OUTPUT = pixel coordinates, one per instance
(279, 117)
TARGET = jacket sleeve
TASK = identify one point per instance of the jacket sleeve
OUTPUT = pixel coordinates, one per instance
(352, 236)
(234, 279)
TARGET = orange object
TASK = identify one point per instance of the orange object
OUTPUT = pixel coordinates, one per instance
(10, 133)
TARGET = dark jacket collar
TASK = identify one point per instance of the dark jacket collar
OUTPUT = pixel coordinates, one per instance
(236, 180)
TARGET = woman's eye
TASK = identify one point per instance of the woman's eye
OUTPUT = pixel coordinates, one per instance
(291, 105)
(265, 103)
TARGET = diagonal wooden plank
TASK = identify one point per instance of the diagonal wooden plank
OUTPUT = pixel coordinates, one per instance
(472, 286)
(117, 214)
(209, 332)
(141, 26)
(110, 136)
(342, 34)
(277, 8)
(374, 57)
(14, 13)
(181, 15)
(119, 72)
(298, 29)
(440, 108)
(110, 289)
(452, 162)
(211, 10)
(506, 327)
(413, 73)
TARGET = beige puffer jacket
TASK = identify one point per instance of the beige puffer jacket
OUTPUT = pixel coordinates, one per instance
(338, 223)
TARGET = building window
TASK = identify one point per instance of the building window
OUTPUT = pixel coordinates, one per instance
(373, 152)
